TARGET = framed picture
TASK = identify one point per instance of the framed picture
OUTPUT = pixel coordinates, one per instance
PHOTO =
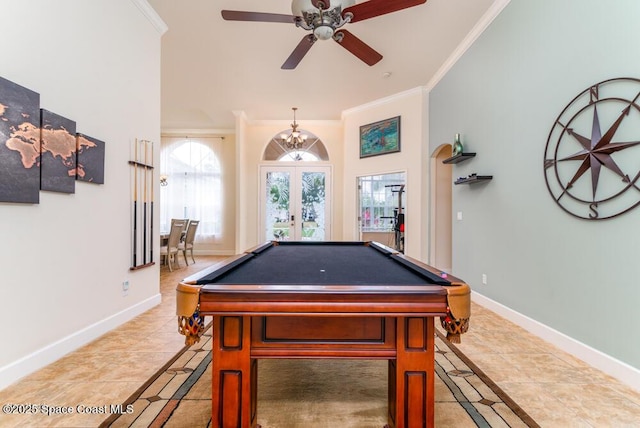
(19, 144)
(90, 166)
(57, 153)
(380, 138)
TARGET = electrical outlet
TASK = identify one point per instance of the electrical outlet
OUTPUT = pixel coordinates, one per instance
(125, 287)
(459, 215)
(484, 278)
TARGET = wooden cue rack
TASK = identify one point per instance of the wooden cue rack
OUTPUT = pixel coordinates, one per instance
(142, 204)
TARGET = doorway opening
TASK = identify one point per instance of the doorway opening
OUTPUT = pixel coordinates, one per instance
(440, 252)
(295, 202)
(381, 201)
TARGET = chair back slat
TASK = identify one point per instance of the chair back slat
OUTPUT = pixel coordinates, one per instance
(191, 232)
(182, 220)
(174, 234)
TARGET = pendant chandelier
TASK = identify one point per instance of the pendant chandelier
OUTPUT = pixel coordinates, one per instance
(294, 139)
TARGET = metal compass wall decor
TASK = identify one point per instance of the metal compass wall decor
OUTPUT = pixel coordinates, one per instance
(592, 157)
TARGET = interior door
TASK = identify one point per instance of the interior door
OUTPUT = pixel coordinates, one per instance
(295, 202)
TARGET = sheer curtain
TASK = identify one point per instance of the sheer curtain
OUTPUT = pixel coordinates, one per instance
(191, 170)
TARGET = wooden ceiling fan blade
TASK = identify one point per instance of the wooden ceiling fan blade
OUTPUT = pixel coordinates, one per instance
(357, 47)
(373, 8)
(299, 52)
(239, 15)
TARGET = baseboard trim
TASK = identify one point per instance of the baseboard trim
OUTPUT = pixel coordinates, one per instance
(13, 372)
(620, 370)
(213, 253)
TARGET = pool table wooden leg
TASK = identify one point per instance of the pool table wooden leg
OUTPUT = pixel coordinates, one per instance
(411, 374)
(233, 372)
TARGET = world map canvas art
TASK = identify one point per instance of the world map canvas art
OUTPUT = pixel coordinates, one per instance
(58, 153)
(90, 161)
(19, 144)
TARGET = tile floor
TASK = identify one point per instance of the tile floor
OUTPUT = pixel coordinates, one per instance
(556, 389)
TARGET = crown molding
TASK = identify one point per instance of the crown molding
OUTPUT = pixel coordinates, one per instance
(484, 22)
(380, 101)
(186, 132)
(468, 41)
(149, 12)
(287, 122)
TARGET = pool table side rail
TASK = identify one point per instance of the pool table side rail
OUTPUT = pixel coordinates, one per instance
(219, 268)
(190, 288)
(360, 301)
(421, 267)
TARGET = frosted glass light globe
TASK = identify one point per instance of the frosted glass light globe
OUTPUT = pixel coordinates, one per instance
(324, 32)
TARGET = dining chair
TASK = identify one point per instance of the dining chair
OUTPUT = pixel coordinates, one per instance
(184, 228)
(187, 244)
(170, 251)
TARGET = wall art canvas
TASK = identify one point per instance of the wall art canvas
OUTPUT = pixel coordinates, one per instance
(90, 162)
(19, 144)
(380, 138)
(58, 153)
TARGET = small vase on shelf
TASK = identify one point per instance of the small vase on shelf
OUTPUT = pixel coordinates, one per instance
(457, 145)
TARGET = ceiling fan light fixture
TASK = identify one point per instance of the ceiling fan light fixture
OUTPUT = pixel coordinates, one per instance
(323, 32)
(328, 13)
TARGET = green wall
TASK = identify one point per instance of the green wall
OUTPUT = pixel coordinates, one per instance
(579, 277)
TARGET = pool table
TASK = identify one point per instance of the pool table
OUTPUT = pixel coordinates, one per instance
(351, 300)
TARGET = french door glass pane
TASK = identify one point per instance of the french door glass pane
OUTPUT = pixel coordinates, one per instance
(277, 205)
(313, 206)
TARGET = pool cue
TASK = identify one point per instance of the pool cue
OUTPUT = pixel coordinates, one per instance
(144, 203)
(151, 215)
(135, 203)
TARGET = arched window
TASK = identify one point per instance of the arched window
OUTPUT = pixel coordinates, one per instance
(312, 149)
(191, 184)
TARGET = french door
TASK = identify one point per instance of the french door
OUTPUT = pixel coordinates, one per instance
(295, 203)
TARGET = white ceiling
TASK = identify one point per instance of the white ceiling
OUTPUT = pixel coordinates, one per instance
(212, 67)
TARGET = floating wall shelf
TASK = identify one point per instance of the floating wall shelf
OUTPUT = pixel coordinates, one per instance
(460, 157)
(473, 179)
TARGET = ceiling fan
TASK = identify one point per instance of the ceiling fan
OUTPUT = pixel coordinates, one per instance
(325, 19)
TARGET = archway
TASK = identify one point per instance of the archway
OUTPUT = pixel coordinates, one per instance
(312, 149)
(296, 189)
(440, 254)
